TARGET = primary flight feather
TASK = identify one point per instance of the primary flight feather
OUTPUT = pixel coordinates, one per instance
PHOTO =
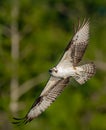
(60, 74)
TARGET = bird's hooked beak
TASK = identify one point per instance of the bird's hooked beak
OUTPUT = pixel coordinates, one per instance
(50, 71)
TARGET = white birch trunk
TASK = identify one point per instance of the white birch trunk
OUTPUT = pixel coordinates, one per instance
(15, 39)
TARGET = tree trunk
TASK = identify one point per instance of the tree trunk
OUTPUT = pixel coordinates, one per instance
(15, 39)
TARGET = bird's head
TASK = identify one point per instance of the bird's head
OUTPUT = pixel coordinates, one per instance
(53, 71)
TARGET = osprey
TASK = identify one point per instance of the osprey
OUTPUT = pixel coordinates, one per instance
(61, 73)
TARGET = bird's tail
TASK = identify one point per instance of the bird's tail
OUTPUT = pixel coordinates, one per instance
(85, 72)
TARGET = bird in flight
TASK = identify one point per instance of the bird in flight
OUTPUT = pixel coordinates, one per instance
(61, 73)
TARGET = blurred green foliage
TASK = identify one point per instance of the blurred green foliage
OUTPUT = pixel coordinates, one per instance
(45, 27)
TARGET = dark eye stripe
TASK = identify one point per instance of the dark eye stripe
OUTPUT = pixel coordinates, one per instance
(56, 71)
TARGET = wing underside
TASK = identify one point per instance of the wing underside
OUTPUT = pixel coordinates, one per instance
(77, 46)
(44, 101)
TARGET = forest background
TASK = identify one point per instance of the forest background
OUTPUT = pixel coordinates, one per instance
(33, 35)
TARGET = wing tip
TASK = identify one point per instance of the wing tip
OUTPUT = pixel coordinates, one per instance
(20, 121)
(85, 21)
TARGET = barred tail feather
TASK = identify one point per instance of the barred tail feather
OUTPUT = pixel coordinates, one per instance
(86, 72)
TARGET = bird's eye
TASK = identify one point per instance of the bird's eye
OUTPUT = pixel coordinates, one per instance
(56, 71)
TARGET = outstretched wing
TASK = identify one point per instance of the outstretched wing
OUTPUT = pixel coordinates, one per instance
(77, 46)
(53, 88)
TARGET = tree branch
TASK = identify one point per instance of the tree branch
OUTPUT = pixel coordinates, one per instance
(31, 83)
(101, 65)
